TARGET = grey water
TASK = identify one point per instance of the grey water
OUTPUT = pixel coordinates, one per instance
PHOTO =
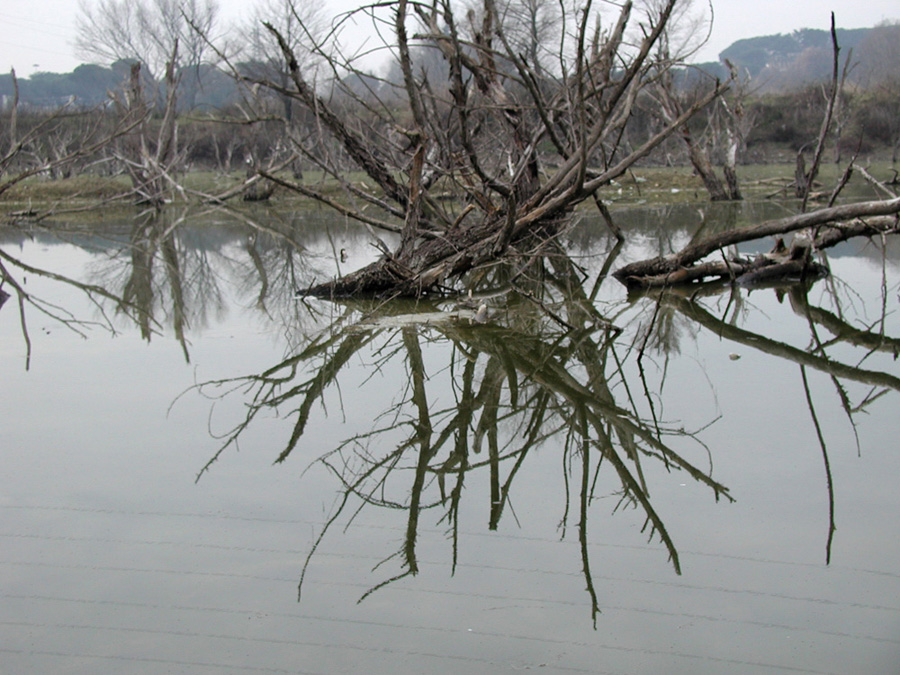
(203, 473)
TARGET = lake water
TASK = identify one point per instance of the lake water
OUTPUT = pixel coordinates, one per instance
(219, 477)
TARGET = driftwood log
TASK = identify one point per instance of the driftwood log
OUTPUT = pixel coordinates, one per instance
(780, 263)
(825, 227)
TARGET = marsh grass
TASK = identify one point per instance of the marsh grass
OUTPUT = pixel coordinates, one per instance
(658, 185)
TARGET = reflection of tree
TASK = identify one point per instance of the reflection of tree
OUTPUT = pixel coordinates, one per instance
(841, 330)
(171, 274)
(153, 242)
(820, 361)
(815, 357)
(131, 281)
(169, 270)
(12, 275)
(278, 263)
(547, 375)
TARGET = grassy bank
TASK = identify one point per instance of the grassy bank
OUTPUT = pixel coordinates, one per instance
(649, 184)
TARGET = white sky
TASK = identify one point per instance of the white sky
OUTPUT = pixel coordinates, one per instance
(37, 35)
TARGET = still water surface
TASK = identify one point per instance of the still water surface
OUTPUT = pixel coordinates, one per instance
(233, 480)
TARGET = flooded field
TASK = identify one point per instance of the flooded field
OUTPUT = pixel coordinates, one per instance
(204, 473)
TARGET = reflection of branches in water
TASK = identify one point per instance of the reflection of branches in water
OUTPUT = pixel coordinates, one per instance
(769, 346)
(274, 253)
(829, 482)
(513, 391)
(816, 357)
(95, 293)
(872, 341)
(278, 263)
(167, 273)
(267, 389)
(173, 274)
(157, 273)
(842, 332)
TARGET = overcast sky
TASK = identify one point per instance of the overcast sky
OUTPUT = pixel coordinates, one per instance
(37, 35)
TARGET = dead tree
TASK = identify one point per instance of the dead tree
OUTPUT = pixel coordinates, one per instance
(490, 161)
(151, 162)
(45, 145)
(825, 228)
(736, 128)
(805, 178)
(672, 95)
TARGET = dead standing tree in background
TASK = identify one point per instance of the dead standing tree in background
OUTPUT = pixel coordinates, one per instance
(803, 178)
(672, 98)
(150, 162)
(672, 93)
(54, 143)
(817, 230)
(476, 136)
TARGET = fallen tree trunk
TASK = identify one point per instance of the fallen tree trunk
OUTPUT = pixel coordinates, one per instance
(744, 271)
(829, 225)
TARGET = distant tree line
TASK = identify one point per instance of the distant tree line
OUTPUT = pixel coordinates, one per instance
(90, 85)
(776, 64)
(781, 120)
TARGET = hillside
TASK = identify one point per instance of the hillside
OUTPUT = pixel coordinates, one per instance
(775, 63)
(785, 62)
